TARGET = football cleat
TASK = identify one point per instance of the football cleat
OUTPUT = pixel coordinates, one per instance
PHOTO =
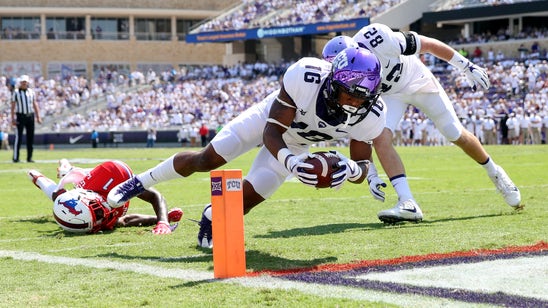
(34, 175)
(205, 235)
(124, 191)
(506, 187)
(63, 168)
(407, 210)
(174, 215)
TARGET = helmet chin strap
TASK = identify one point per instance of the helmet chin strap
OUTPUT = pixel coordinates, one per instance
(347, 120)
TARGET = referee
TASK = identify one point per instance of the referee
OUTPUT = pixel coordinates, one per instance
(24, 109)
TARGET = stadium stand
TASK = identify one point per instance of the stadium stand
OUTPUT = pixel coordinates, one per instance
(179, 96)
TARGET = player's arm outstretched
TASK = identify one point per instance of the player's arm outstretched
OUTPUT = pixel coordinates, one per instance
(279, 120)
(476, 75)
(159, 205)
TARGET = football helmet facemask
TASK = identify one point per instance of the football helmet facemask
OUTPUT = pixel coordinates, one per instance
(80, 211)
(357, 72)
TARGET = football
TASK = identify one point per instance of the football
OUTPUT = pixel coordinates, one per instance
(325, 163)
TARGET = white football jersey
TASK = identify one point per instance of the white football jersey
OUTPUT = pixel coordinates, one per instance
(305, 82)
(402, 70)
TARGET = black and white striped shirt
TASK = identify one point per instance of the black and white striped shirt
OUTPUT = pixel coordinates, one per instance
(23, 101)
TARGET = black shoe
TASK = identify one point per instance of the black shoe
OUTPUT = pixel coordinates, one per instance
(15, 160)
(30, 161)
(205, 235)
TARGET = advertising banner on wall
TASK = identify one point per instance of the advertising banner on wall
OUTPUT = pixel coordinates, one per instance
(262, 33)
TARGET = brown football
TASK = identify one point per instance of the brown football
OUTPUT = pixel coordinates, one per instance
(325, 163)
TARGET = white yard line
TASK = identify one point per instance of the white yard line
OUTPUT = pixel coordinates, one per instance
(532, 270)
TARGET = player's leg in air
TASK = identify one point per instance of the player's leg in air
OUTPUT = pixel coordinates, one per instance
(437, 107)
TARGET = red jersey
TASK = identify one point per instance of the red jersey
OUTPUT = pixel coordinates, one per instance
(101, 180)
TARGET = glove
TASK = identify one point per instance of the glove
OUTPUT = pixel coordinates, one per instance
(296, 165)
(477, 76)
(348, 170)
(375, 183)
(63, 168)
(162, 227)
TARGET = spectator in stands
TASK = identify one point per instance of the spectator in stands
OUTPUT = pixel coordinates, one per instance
(545, 127)
(535, 127)
(524, 123)
(489, 130)
(522, 51)
(463, 52)
(535, 49)
(151, 137)
(204, 134)
(183, 135)
(500, 55)
(4, 139)
(491, 55)
(477, 54)
(513, 129)
(94, 138)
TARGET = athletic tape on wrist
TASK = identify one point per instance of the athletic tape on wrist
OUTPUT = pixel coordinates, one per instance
(283, 155)
(459, 61)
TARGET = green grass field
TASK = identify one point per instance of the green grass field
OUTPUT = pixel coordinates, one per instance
(298, 227)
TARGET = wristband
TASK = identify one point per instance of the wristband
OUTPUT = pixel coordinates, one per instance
(459, 61)
(282, 156)
(372, 170)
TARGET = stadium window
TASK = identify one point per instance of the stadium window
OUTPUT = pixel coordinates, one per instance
(65, 28)
(109, 28)
(152, 29)
(184, 26)
(20, 28)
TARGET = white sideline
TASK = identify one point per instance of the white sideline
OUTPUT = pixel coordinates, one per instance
(266, 282)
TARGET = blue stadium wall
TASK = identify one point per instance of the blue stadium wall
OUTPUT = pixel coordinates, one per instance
(106, 139)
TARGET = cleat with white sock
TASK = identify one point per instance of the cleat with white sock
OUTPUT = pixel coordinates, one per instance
(63, 168)
(407, 210)
(124, 191)
(506, 188)
(205, 235)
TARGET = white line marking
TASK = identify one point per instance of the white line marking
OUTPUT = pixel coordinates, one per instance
(525, 276)
(405, 300)
(187, 274)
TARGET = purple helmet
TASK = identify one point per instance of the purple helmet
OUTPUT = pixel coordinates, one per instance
(357, 72)
(335, 45)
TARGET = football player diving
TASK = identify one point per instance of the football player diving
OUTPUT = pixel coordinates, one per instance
(318, 101)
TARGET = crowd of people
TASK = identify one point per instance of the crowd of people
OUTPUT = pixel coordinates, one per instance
(184, 99)
(465, 4)
(255, 13)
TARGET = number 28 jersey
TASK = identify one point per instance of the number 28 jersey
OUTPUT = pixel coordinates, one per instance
(402, 71)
